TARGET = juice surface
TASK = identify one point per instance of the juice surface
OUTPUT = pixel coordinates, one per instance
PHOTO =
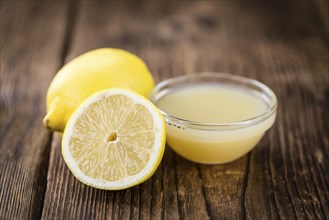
(212, 103)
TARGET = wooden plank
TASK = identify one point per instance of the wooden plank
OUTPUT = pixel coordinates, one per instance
(140, 201)
(31, 36)
(323, 11)
(279, 43)
(288, 177)
(115, 25)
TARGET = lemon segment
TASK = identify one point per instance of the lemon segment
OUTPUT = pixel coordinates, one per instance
(114, 140)
(89, 73)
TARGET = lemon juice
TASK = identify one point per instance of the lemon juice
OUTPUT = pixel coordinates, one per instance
(212, 103)
(200, 118)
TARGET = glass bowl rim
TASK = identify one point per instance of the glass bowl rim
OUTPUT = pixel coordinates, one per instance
(179, 122)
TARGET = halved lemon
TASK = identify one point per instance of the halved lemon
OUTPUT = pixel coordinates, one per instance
(114, 140)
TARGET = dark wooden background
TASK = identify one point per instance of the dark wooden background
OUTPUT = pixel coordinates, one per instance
(281, 43)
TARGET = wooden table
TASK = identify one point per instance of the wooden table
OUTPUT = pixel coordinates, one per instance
(283, 44)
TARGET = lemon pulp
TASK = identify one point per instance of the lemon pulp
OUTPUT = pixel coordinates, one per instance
(114, 140)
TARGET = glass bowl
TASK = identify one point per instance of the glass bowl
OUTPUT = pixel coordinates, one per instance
(215, 143)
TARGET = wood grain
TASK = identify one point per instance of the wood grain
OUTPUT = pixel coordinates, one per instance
(322, 7)
(283, 44)
(30, 47)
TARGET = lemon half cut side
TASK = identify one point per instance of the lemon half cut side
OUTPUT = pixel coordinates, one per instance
(114, 140)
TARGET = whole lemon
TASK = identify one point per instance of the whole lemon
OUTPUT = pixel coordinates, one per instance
(91, 72)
